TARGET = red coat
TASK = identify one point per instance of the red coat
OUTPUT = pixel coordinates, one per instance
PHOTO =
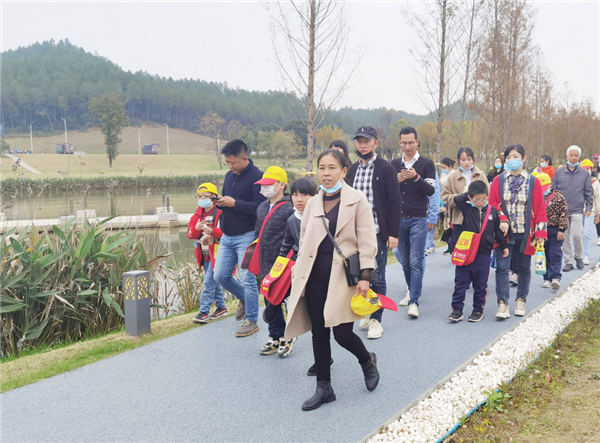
(549, 170)
(538, 217)
(194, 234)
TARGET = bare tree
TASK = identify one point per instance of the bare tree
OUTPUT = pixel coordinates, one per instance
(310, 41)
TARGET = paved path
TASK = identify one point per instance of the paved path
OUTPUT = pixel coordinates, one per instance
(23, 164)
(206, 385)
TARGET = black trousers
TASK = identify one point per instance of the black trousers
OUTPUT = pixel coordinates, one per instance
(316, 295)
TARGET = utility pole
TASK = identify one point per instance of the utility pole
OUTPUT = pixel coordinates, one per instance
(167, 137)
(31, 136)
(65, 128)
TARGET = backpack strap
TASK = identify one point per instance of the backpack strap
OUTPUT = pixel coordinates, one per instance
(268, 216)
(487, 216)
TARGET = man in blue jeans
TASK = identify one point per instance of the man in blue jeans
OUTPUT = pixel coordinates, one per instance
(239, 202)
(376, 178)
(416, 178)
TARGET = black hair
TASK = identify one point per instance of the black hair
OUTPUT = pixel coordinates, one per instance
(448, 162)
(467, 151)
(337, 154)
(547, 158)
(344, 147)
(519, 148)
(594, 174)
(408, 130)
(501, 159)
(234, 147)
(304, 186)
(477, 187)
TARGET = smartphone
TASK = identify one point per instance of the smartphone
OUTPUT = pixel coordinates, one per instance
(215, 198)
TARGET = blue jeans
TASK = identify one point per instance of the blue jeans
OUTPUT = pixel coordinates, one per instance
(589, 231)
(523, 263)
(379, 286)
(212, 292)
(231, 252)
(554, 255)
(411, 254)
(429, 243)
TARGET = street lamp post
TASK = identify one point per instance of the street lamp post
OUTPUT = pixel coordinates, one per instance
(167, 137)
(65, 128)
(31, 136)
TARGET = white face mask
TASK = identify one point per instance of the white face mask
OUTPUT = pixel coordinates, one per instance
(268, 191)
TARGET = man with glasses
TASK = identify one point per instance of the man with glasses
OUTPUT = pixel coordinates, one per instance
(416, 178)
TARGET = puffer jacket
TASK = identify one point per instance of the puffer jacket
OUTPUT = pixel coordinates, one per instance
(291, 239)
(273, 232)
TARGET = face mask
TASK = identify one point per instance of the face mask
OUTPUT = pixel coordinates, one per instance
(514, 165)
(543, 165)
(473, 204)
(366, 156)
(572, 165)
(205, 203)
(547, 192)
(463, 169)
(498, 166)
(336, 188)
(268, 191)
(445, 171)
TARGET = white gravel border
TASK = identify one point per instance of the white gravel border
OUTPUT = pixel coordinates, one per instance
(431, 419)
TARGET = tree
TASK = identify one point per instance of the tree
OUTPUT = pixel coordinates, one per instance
(4, 146)
(310, 41)
(327, 134)
(110, 110)
(213, 126)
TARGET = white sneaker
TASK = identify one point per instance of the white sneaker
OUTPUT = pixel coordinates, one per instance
(405, 300)
(520, 307)
(598, 242)
(546, 284)
(413, 311)
(431, 250)
(364, 323)
(375, 329)
(502, 311)
(556, 284)
(586, 261)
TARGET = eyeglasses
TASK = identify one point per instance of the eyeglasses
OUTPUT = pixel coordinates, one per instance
(411, 144)
(480, 201)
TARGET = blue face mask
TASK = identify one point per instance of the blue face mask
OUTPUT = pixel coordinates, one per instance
(514, 164)
(473, 204)
(547, 192)
(336, 188)
(572, 165)
(498, 166)
(543, 165)
(205, 203)
(445, 171)
(463, 169)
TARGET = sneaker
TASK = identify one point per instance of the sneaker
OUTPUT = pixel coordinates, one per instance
(502, 311)
(431, 250)
(447, 252)
(364, 323)
(598, 242)
(568, 267)
(520, 307)
(248, 328)
(476, 316)
(405, 300)
(201, 319)
(375, 329)
(241, 311)
(271, 347)
(312, 371)
(546, 284)
(285, 347)
(219, 313)
(456, 316)
(586, 261)
(413, 311)
(513, 278)
(580, 263)
(556, 284)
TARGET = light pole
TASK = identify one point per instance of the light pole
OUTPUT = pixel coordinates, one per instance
(31, 136)
(167, 137)
(65, 128)
(139, 143)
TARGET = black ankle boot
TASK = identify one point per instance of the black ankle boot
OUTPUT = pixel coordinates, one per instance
(312, 371)
(371, 372)
(323, 394)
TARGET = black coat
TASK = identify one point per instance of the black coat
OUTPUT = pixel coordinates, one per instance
(414, 194)
(273, 232)
(291, 239)
(386, 196)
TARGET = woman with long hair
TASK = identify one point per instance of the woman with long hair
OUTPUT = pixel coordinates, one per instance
(497, 169)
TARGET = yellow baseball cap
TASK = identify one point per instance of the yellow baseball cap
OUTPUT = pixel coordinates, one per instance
(544, 179)
(273, 174)
(362, 306)
(208, 187)
(587, 163)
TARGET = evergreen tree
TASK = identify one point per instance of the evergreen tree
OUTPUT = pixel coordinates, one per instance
(110, 110)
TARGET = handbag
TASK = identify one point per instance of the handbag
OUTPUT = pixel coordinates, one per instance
(251, 260)
(468, 244)
(275, 286)
(351, 264)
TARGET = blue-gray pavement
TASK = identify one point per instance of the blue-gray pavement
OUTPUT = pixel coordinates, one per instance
(207, 385)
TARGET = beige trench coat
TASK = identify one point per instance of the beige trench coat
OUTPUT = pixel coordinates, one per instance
(355, 232)
(455, 185)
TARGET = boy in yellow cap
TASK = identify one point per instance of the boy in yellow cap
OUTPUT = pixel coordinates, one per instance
(204, 228)
(271, 221)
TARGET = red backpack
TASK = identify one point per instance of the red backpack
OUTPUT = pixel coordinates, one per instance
(468, 244)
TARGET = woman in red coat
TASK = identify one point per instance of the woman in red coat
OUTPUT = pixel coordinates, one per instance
(519, 197)
(546, 166)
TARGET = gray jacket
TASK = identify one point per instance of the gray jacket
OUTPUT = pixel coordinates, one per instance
(576, 187)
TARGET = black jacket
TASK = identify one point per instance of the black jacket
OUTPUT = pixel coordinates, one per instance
(473, 221)
(386, 196)
(291, 238)
(272, 235)
(241, 218)
(414, 194)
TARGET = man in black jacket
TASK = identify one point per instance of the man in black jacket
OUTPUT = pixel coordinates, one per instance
(376, 178)
(416, 178)
(241, 197)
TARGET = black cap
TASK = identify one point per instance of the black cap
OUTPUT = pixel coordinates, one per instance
(365, 131)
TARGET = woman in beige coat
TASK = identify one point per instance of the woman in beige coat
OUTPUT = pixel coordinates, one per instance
(457, 183)
(320, 297)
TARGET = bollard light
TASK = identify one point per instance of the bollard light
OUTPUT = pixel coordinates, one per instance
(136, 294)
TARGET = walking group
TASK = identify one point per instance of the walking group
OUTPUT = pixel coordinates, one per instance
(320, 254)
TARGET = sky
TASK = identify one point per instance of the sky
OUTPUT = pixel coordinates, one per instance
(230, 42)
